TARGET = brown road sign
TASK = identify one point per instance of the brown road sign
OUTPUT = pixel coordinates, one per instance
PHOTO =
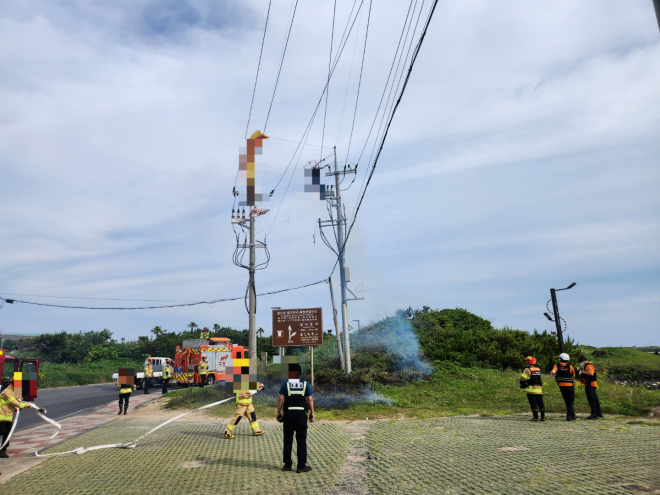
(293, 327)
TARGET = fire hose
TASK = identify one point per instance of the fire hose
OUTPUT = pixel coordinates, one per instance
(83, 450)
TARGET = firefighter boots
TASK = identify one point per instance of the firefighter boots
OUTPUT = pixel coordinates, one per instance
(535, 412)
(228, 435)
(120, 410)
(542, 414)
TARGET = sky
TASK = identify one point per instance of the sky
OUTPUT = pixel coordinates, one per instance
(524, 156)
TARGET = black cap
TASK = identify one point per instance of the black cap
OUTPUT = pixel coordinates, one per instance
(582, 359)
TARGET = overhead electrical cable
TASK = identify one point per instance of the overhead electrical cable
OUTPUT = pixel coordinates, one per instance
(389, 123)
(357, 97)
(12, 301)
(279, 70)
(340, 50)
(254, 90)
(327, 93)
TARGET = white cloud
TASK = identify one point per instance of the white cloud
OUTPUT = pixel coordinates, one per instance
(523, 156)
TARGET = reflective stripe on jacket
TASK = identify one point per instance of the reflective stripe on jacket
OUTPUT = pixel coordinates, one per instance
(245, 397)
(564, 374)
(532, 378)
(295, 399)
(148, 371)
(126, 389)
(8, 403)
(203, 368)
(167, 374)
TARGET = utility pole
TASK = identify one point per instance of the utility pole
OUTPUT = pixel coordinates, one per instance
(341, 224)
(334, 317)
(253, 297)
(252, 305)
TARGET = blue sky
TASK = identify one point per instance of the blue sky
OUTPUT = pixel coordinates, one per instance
(524, 156)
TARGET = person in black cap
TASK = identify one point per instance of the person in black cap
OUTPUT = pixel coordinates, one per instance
(588, 378)
(296, 397)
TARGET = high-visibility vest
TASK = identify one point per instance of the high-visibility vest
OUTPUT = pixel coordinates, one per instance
(167, 374)
(204, 335)
(202, 368)
(148, 371)
(531, 381)
(564, 374)
(126, 389)
(295, 399)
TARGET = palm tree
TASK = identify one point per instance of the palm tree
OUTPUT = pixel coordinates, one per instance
(260, 332)
(216, 328)
(122, 340)
(192, 325)
(157, 331)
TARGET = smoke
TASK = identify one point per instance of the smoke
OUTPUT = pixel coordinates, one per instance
(395, 338)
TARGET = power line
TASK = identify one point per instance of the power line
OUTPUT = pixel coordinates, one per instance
(258, 67)
(279, 71)
(327, 93)
(389, 123)
(11, 301)
(357, 97)
(90, 298)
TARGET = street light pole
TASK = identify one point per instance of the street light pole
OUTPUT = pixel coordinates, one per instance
(557, 318)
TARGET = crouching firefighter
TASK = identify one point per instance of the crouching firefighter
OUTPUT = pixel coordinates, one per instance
(245, 408)
(530, 382)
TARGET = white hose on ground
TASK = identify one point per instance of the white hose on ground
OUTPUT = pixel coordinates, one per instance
(128, 445)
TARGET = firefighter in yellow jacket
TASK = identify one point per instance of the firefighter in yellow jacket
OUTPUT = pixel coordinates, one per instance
(245, 408)
(125, 391)
(8, 404)
(148, 375)
(530, 382)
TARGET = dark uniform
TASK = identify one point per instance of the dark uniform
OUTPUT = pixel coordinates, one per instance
(124, 394)
(295, 420)
(590, 387)
(531, 383)
(564, 376)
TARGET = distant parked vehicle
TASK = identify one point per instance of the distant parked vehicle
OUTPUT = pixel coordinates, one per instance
(158, 364)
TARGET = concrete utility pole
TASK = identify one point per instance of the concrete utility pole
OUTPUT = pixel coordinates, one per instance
(334, 317)
(252, 305)
(341, 224)
(253, 297)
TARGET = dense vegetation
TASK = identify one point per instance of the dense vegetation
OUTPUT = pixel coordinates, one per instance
(408, 345)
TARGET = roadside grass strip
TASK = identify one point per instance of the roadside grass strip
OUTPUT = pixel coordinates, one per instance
(186, 457)
(476, 455)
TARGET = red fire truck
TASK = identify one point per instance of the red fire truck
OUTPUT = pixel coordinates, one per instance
(217, 351)
(29, 373)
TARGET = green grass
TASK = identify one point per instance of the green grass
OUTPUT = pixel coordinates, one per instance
(621, 361)
(450, 392)
(53, 375)
(643, 423)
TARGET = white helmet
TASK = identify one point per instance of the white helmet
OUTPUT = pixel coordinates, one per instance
(564, 357)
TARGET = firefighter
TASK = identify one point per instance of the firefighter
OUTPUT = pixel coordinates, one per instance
(565, 377)
(148, 375)
(245, 408)
(530, 382)
(167, 374)
(8, 404)
(589, 380)
(296, 397)
(202, 371)
(124, 394)
(204, 333)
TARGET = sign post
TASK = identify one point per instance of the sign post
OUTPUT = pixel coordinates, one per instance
(298, 327)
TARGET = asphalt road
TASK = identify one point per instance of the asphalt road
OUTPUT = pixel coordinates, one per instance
(69, 401)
